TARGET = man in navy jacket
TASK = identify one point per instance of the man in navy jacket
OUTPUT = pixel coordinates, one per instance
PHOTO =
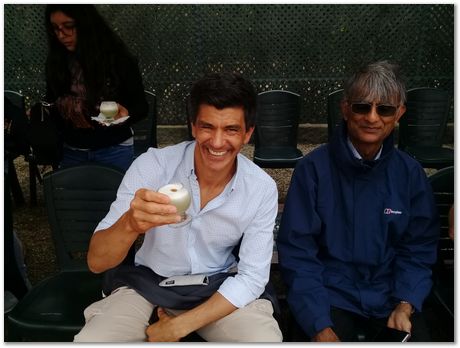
(359, 230)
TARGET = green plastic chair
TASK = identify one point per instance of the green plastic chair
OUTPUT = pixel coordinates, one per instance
(275, 134)
(442, 183)
(334, 112)
(145, 130)
(77, 198)
(441, 299)
(16, 98)
(14, 104)
(422, 127)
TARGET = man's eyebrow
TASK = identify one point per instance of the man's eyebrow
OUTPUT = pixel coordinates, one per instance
(233, 126)
(202, 123)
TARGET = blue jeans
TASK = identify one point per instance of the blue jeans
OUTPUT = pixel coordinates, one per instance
(119, 156)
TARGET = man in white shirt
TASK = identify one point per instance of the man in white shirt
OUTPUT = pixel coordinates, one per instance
(234, 202)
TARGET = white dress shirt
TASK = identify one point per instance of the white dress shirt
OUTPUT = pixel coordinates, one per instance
(246, 208)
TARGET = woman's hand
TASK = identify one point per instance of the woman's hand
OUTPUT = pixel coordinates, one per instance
(122, 112)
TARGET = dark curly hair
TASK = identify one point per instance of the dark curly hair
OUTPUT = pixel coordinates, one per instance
(99, 51)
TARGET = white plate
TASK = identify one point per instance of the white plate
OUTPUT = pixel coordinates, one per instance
(102, 120)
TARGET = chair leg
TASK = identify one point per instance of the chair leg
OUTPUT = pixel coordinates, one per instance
(34, 175)
(16, 190)
(33, 172)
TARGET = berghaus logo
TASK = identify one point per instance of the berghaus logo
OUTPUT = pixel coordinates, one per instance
(389, 211)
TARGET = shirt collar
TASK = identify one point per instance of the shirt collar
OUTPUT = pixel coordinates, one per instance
(190, 159)
(234, 181)
(356, 153)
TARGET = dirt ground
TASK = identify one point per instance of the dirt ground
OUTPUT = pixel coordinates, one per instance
(31, 222)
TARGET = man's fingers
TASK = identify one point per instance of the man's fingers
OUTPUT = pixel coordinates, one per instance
(149, 209)
(152, 196)
(404, 325)
(152, 202)
(153, 208)
(161, 313)
(155, 219)
(399, 322)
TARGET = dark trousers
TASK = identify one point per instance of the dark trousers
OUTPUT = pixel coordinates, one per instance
(350, 327)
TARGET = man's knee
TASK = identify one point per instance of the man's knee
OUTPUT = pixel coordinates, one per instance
(253, 323)
(254, 334)
(121, 317)
(90, 335)
(94, 331)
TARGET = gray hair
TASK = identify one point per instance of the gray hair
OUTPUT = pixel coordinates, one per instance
(380, 81)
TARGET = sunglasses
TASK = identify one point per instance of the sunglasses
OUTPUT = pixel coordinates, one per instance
(382, 109)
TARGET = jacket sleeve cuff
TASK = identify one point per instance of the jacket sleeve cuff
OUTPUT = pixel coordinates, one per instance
(319, 324)
(408, 297)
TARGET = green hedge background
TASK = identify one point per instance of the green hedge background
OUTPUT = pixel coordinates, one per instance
(308, 49)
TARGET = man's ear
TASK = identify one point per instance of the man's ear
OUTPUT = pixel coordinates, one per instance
(344, 109)
(248, 134)
(192, 126)
(400, 112)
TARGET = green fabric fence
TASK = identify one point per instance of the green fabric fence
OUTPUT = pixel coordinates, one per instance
(307, 49)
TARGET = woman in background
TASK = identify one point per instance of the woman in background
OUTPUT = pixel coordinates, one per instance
(88, 63)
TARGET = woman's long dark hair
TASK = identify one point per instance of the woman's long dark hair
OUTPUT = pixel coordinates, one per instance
(98, 50)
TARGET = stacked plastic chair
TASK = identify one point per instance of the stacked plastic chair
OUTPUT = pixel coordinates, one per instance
(423, 126)
(275, 135)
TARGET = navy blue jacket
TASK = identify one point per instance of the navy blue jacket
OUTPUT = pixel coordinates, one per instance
(356, 236)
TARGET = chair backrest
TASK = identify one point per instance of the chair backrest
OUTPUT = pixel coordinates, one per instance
(425, 120)
(189, 122)
(77, 198)
(16, 98)
(277, 119)
(145, 130)
(442, 183)
(334, 112)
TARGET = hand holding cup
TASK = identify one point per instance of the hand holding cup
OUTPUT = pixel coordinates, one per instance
(150, 209)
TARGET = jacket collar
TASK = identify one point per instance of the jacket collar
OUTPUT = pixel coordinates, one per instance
(343, 156)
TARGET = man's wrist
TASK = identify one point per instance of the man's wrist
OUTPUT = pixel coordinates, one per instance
(183, 325)
(405, 304)
(326, 335)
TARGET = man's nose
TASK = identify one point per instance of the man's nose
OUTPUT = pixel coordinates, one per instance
(372, 115)
(217, 139)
